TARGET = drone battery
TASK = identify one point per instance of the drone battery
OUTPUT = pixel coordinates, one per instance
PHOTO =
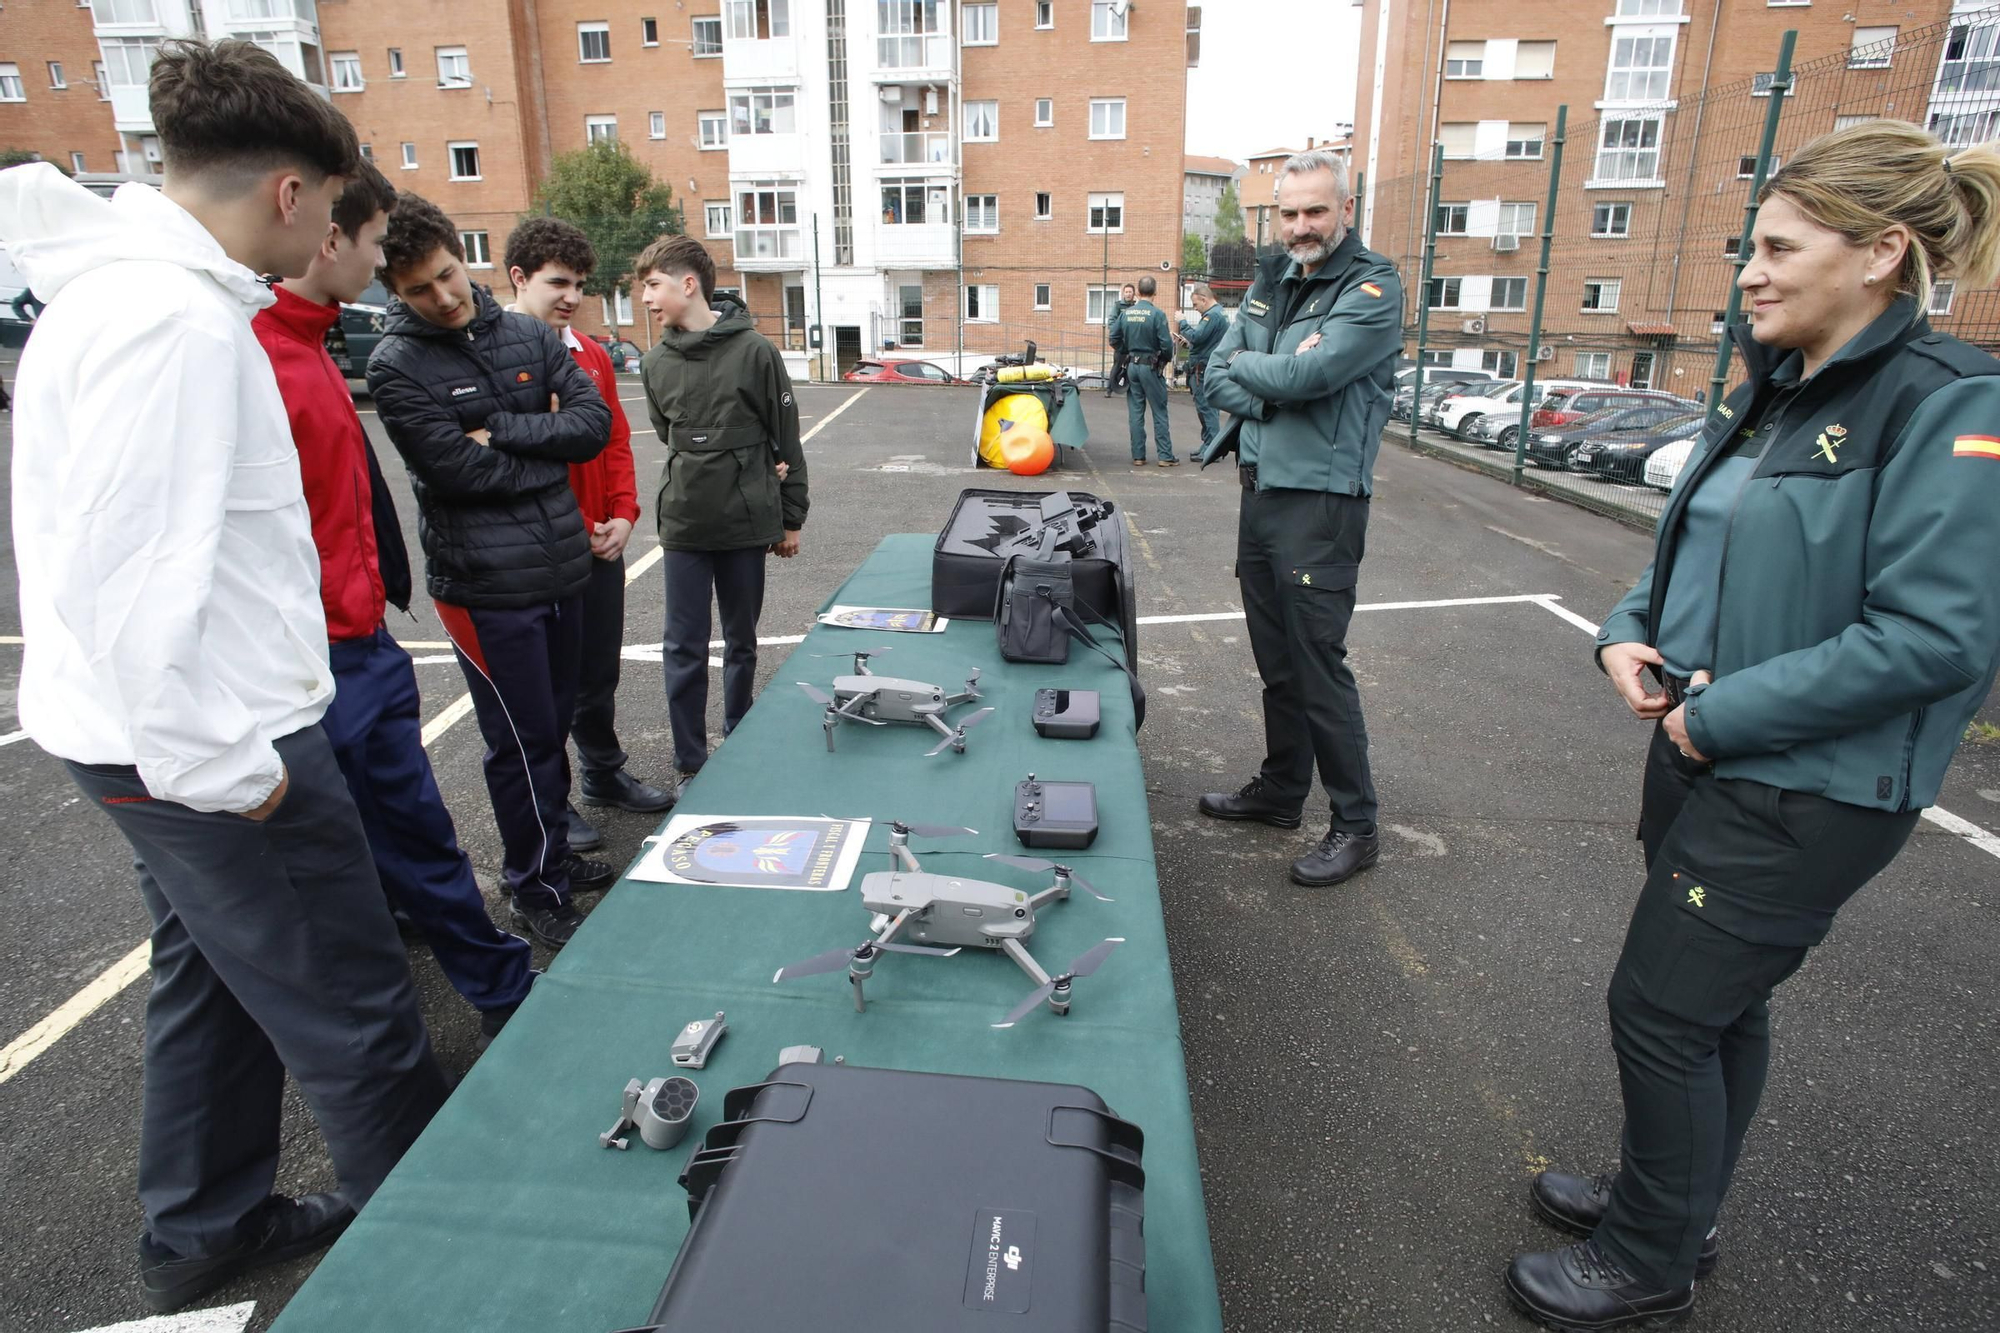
(996, 1204)
(1066, 715)
(1062, 815)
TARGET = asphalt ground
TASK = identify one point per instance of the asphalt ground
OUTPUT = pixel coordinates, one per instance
(1377, 1069)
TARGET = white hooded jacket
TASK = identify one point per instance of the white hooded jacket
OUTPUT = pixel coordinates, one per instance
(169, 584)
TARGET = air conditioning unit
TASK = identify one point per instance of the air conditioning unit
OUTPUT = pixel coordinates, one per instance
(1473, 326)
(1508, 241)
(1546, 352)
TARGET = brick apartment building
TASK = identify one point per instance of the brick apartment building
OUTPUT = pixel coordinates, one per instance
(1259, 186)
(1644, 185)
(904, 175)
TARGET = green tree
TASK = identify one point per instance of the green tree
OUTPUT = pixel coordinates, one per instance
(1228, 214)
(20, 157)
(618, 203)
(1194, 255)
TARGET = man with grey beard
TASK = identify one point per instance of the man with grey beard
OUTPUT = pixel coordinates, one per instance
(1306, 374)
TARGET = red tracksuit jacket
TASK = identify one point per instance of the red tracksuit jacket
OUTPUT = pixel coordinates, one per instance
(606, 487)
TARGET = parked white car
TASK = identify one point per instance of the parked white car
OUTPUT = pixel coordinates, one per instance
(1663, 469)
(1465, 405)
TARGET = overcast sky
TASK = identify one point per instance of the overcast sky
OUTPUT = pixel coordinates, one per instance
(1272, 72)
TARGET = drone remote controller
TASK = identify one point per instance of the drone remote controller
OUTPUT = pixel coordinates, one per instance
(1066, 715)
(1062, 815)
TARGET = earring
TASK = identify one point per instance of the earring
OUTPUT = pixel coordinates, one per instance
(1868, 281)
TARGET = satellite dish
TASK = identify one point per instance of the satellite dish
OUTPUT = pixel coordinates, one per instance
(1119, 7)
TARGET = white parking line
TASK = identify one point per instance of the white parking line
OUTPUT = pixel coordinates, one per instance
(1936, 814)
(224, 1319)
(17, 1054)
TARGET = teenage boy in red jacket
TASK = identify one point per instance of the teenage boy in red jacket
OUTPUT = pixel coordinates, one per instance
(373, 721)
(547, 261)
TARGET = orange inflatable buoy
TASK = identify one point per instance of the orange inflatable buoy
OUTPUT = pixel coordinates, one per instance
(1013, 412)
(1029, 452)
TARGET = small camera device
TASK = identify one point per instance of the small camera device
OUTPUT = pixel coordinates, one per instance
(1066, 715)
(1061, 815)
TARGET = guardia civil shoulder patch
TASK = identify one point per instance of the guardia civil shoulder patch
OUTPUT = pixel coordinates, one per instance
(1977, 446)
(1371, 289)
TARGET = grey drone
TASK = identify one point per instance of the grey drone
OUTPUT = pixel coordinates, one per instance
(877, 701)
(943, 910)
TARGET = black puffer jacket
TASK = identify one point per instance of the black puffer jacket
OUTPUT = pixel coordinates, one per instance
(499, 522)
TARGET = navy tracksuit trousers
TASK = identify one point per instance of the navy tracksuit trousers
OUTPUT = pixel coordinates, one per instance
(377, 736)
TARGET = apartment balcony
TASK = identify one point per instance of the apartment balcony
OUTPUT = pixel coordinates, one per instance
(930, 148)
(767, 61)
(762, 249)
(916, 245)
(764, 155)
(131, 109)
(914, 58)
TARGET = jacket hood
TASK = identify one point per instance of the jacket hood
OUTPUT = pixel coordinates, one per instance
(55, 230)
(401, 319)
(732, 318)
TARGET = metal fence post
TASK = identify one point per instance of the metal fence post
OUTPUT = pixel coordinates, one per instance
(1424, 290)
(1541, 290)
(1780, 82)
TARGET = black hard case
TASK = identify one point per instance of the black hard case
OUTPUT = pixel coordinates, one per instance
(838, 1199)
(970, 551)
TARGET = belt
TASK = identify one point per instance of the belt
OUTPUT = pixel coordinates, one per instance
(1676, 688)
(1247, 474)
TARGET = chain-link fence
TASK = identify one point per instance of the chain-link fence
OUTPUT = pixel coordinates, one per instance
(1580, 275)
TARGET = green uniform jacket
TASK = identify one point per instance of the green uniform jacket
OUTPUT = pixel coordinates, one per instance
(1310, 422)
(1204, 334)
(1142, 331)
(1858, 607)
(722, 402)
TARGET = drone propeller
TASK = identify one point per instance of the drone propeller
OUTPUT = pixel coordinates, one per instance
(1083, 966)
(1037, 864)
(835, 959)
(863, 653)
(958, 737)
(933, 830)
(816, 694)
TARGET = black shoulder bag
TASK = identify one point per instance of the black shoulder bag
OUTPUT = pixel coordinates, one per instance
(1037, 614)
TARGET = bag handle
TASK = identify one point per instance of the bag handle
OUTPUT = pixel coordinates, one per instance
(1067, 619)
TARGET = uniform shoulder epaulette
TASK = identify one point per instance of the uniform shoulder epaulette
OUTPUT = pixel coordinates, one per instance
(1960, 358)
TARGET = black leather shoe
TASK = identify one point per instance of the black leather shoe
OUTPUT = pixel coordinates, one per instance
(280, 1229)
(1340, 856)
(624, 791)
(1578, 1290)
(583, 835)
(1576, 1204)
(590, 875)
(553, 926)
(1250, 803)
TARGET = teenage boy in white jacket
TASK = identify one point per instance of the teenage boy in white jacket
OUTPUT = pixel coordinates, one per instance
(176, 660)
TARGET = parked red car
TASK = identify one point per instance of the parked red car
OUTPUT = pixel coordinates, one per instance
(900, 372)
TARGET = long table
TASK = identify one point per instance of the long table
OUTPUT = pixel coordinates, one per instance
(508, 1215)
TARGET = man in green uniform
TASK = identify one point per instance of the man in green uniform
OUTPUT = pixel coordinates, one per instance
(1142, 334)
(1306, 371)
(1200, 339)
(1117, 383)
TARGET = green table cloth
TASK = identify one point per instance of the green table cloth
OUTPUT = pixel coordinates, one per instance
(508, 1215)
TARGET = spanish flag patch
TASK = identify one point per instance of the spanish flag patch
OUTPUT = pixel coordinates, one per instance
(1977, 446)
(1371, 289)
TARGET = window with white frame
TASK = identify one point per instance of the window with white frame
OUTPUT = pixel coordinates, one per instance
(1509, 294)
(1941, 294)
(396, 63)
(103, 78)
(656, 124)
(982, 24)
(11, 89)
(912, 203)
(617, 309)
(1872, 48)
(409, 157)
(982, 304)
(593, 43)
(128, 61)
(142, 11)
(1107, 213)
(1097, 302)
(1641, 69)
(1637, 9)
(1045, 205)
(1600, 295)
(649, 32)
(1628, 150)
(478, 253)
(1464, 60)
(454, 67)
(368, 152)
(1502, 365)
(1746, 167)
(1453, 219)
(1730, 245)
(1849, 122)
(1785, 4)
(767, 112)
(756, 20)
(904, 30)
(346, 69)
(76, 163)
(1042, 296)
(1445, 293)
(708, 36)
(1524, 141)
(1437, 357)
(1107, 117)
(56, 77)
(1045, 112)
(982, 122)
(715, 212)
(1962, 130)
(600, 129)
(982, 212)
(464, 161)
(767, 223)
(1611, 220)
(1760, 85)
(1593, 365)
(1515, 220)
(1107, 21)
(1458, 138)
(1535, 60)
(712, 129)
(1045, 13)
(1970, 63)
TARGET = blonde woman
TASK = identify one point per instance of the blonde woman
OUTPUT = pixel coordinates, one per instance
(1821, 614)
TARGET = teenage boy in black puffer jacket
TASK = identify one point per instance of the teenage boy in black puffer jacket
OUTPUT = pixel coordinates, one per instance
(488, 410)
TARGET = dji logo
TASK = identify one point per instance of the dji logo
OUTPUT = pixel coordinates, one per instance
(1012, 1258)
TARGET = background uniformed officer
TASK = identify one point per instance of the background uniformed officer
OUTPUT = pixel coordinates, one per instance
(1117, 383)
(1200, 338)
(1142, 334)
(1305, 370)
